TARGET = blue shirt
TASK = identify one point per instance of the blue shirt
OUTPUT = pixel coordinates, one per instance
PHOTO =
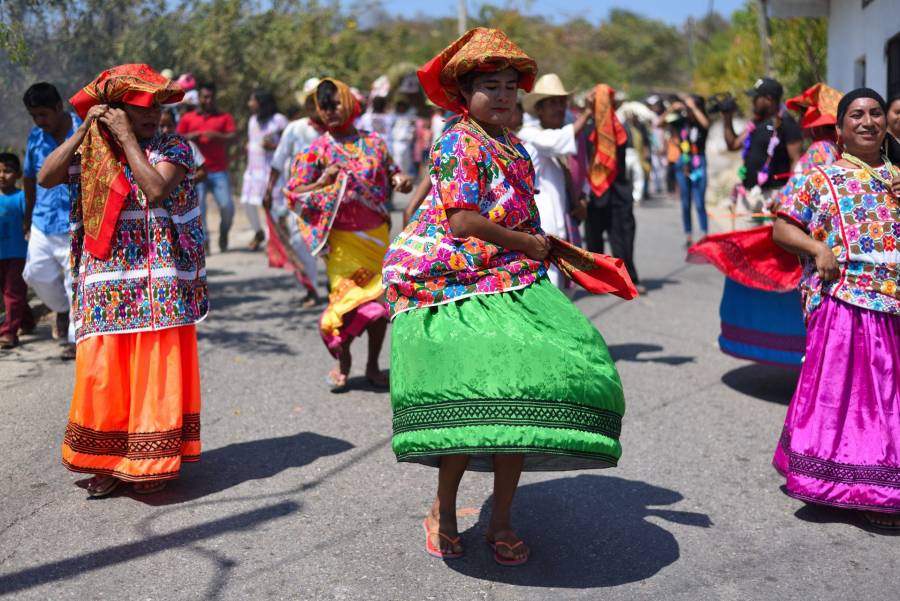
(12, 218)
(51, 205)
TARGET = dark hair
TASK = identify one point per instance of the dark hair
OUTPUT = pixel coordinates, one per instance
(267, 105)
(171, 113)
(207, 85)
(293, 112)
(11, 161)
(894, 98)
(379, 104)
(325, 91)
(42, 95)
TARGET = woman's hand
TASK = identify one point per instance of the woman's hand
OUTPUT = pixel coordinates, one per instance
(402, 183)
(95, 112)
(116, 120)
(328, 176)
(826, 263)
(537, 247)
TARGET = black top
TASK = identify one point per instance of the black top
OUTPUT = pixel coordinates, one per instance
(696, 136)
(759, 144)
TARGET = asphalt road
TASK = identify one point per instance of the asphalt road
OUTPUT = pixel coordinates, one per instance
(298, 495)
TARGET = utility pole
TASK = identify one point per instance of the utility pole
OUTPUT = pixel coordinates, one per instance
(461, 16)
(764, 40)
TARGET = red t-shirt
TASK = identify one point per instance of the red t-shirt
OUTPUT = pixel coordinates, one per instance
(214, 152)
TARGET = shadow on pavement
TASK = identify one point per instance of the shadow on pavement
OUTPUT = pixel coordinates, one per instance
(234, 464)
(584, 532)
(822, 514)
(630, 352)
(119, 554)
(763, 382)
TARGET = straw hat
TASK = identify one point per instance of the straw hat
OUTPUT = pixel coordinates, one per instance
(309, 86)
(547, 86)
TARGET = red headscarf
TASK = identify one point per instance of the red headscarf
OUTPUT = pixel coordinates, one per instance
(479, 49)
(821, 102)
(608, 133)
(349, 107)
(103, 183)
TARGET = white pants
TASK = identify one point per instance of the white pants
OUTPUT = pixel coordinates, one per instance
(47, 272)
(252, 212)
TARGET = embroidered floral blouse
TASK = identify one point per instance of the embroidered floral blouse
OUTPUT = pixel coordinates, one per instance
(426, 265)
(821, 153)
(155, 276)
(368, 169)
(858, 217)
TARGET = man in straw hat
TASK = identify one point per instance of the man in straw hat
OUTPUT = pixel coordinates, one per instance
(549, 141)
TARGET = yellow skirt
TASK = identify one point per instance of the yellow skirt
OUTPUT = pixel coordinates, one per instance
(354, 274)
(136, 408)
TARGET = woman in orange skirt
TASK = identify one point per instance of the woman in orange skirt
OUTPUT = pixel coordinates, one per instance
(140, 284)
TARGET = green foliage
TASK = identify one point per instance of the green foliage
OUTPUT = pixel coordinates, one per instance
(242, 44)
(731, 58)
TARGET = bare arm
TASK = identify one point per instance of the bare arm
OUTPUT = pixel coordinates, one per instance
(55, 170)
(157, 182)
(701, 119)
(465, 224)
(732, 140)
(794, 150)
(793, 239)
(416, 199)
(30, 185)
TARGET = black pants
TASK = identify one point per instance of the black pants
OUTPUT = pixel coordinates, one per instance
(613, 214)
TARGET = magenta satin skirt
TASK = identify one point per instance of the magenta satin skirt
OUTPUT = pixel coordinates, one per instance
(841, 440)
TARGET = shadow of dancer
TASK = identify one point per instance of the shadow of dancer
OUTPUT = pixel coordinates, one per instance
(630, 352)
(228, 466)
(763, 382)
(584, 532)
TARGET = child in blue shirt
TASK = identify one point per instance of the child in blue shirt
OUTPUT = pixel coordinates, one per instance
(13, 248)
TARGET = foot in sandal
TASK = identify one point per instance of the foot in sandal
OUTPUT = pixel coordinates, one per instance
(509, 549)
(884, 521)
(442, 542)
(148, 488)
(101, 486)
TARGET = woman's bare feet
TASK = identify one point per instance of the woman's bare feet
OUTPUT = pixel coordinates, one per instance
(442, 530)
(101, 485)
(338, 376)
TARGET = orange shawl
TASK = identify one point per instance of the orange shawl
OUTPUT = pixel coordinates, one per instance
(104, 186)
(608, 133)
(349, 105)
(479, 49)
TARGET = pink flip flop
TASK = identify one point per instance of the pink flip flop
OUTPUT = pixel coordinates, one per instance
(436, 552)
(505, 561)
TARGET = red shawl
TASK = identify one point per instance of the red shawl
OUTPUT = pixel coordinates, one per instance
(608, 133)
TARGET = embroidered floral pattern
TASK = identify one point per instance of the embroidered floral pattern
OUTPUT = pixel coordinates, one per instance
(155, 275)
(861, 226)
(426, 265)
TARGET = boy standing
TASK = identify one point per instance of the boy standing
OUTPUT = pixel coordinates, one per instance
(13, 249)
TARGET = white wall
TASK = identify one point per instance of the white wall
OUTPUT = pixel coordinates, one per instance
(854, 32)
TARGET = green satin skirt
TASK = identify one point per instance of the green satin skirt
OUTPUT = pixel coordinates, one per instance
(515, 372)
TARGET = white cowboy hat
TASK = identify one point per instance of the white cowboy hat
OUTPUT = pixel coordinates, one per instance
(547, 86)
(309, 86)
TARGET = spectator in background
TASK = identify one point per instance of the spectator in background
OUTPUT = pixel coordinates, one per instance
(893, 116)
(376, 119)
(212, 130)
(47, 210)
(13, 248)
(403, 135)
(263, 134)
(692, 127)
(167, 123)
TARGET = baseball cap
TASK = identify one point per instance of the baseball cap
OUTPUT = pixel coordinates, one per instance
(766, 87)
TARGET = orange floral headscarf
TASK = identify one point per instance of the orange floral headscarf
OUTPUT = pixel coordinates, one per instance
(103, 183)
(349, 106)
(820, 101)
(480, 49)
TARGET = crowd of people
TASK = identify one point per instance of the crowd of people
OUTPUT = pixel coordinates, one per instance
(520, 188)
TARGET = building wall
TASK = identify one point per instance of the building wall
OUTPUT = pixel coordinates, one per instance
(856, 33)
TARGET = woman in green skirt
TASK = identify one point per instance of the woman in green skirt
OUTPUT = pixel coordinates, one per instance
(492, 367)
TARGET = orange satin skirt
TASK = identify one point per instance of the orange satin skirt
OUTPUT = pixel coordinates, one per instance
(136, 408)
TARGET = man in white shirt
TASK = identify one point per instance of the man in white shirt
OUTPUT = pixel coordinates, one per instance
(549, 141)
(295, 138)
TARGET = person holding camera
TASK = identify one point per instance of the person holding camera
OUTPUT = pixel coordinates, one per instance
(690, 124)
(770, 145)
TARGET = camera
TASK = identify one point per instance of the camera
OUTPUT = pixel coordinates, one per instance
(721, 102)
